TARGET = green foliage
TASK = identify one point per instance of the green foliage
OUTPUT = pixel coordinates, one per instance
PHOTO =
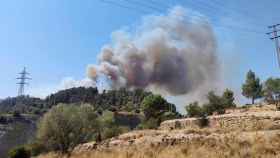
(228, 98)
(153, 105)
(109, 127)
(35, 148)
(19, 152)
(151, 123)
(194, 110)
(66, 126)
(156, 109)
(252, 87)
(118, 100)
(215, 103)
(22, 104)
(272, 90)
(114, 131)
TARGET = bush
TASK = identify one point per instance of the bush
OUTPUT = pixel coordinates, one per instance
(228, 98)
(65, 126)
(152, 105)
(217, 104)
(35, 148)
(19, 152)
(114, 131)
(194, 110)
(156, 109)
(271, 90)
(109, 127)
(151, 123)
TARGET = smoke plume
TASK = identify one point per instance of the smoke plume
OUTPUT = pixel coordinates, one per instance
(171, 54)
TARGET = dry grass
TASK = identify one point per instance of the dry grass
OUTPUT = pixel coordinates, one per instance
(235, 145)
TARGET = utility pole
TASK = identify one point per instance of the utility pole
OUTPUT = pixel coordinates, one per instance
(275, 37)
(22, 81)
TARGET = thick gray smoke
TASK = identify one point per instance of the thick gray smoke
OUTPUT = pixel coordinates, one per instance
(172, 54)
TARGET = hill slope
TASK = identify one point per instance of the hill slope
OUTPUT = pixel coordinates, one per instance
(194, 142)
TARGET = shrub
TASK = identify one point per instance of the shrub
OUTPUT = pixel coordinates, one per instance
(19, 152)
(35, 148)
(156, 109)
(65, 126)
(194, 110)
(109, 127)
(114, 131)
(16, 113)
(152, 105)
(151, 123)
(215, 103)
(228, 98)
(272, 90)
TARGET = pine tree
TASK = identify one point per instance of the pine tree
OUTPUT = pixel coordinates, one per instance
(228, 97)
(252, 87)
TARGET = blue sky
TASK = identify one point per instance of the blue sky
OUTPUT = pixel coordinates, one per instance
(57, 39)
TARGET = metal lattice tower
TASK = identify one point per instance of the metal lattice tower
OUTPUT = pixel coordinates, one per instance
(22, 81)
(275, 37)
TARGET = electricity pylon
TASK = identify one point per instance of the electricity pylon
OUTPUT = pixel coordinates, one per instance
(22, 81)
(275, 37)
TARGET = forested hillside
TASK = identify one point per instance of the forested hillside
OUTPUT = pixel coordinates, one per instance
(114, 100)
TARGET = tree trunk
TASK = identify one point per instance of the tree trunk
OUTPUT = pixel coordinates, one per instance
(253, 100)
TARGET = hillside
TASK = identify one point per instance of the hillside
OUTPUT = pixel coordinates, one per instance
(120, 108)
(254, 132)
(15, 131)
(119, 100)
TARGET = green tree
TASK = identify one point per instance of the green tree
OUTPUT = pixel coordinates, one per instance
(65, 126)
(153, 105)
(156, 109)
(194, 110)
(215, 104)
(228, 97)
(272, 90)
(252, 87)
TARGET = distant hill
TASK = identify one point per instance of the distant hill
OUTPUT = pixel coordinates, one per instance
(23, 104)
(113, 100)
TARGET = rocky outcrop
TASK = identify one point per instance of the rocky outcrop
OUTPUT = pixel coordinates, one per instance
(246, 121)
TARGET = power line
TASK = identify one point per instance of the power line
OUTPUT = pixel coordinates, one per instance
(275, 37)
(210, 9)
(123, 6)
(239, 10)
(241, 13)
(22, 81)
(137, 3)
(149, 6)
(213, 9)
